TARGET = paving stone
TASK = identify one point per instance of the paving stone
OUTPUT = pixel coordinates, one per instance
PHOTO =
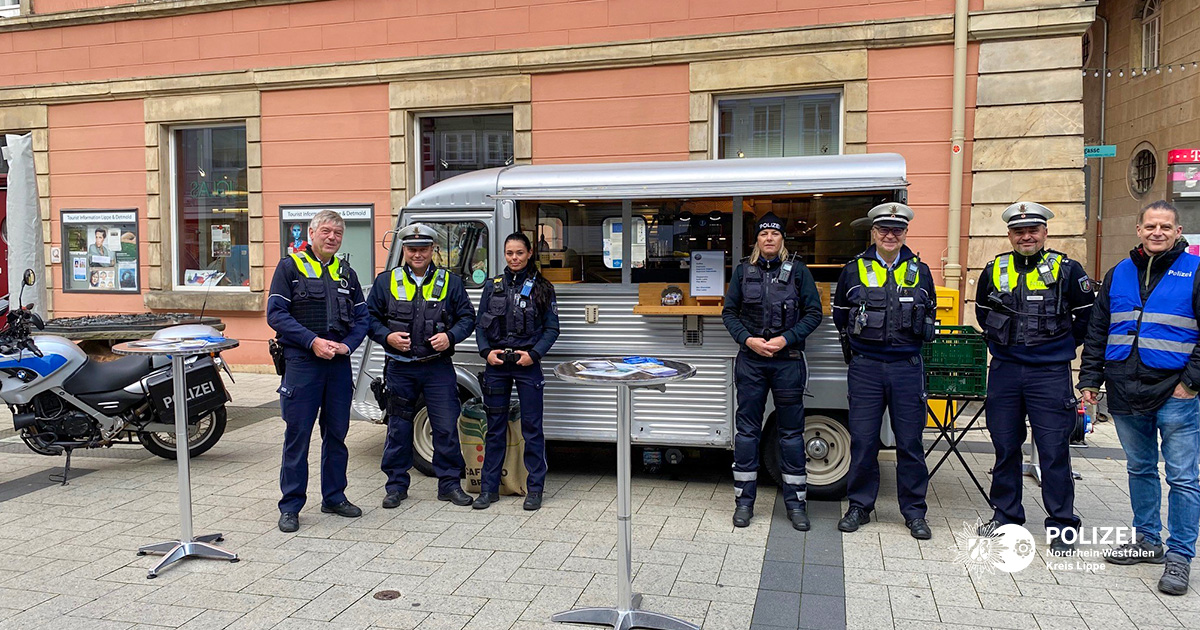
(822, 611)
(777, 608)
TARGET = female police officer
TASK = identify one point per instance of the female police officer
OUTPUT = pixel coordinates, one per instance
(771, 307)
(883, 308)
(418, 312)
(517, 324)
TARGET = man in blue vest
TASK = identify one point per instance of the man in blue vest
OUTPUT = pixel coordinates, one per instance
(418, 312)
(1142, 346)
(883, 307)
(317, 310)
(1033, 305)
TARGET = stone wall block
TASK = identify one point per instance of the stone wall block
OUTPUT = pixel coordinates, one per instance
(224, 105)
(1028, 153)
(397, 122)
(1068, 219)
(522, 117)
(1030, 87)
(854, 128)
(1039, 119)
(799, 69)
(698, 137)
(1030, 54)
(523, 145)
(460, 92)
(699, 107)
(1004, 187)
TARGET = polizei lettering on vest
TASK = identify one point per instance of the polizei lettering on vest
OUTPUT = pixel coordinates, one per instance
(193, 392)
(1181, 274)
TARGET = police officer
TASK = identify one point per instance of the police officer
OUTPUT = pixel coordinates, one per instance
(1034, 305)
(884, 308)
(317, 310)
(418, 312)
(771, 307)
(517, 325)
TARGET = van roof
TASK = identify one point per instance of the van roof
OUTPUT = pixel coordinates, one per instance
(650, 180)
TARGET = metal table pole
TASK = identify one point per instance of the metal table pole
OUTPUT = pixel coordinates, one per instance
(626, 614)
(187, 546)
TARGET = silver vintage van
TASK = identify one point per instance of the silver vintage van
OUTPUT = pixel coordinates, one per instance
(609, 278)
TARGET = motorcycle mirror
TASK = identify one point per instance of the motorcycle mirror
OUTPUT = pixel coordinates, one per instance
(37, 321)
(29, 278)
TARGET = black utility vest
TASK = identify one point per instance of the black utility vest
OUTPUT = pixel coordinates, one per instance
(1031, 310)
(419, 311)
(770, 302)
(892, 308)
(321, 299)
(512, 319)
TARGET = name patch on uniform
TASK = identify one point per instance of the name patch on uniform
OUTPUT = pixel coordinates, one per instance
(1035, 298)
(345, 291)
(907, 299)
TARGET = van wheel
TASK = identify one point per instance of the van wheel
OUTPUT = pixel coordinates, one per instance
(423, 439)
(827, 455)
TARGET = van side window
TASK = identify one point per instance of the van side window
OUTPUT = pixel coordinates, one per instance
(570, 238)
(462, 247)
(824, 231)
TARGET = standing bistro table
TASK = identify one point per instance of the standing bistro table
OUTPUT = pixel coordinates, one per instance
(625, 614)
(187, 546)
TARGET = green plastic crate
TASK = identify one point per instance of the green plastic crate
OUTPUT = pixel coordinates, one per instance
(955, 347)
(956, 381)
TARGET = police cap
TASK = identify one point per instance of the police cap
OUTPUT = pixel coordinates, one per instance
(1026, 213)
(769, 222)
(417, 235)
(890, 215)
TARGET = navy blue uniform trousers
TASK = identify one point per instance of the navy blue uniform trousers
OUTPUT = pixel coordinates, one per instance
(314, 391)
(497, 392)
(785, 378)
(1044, 394)
(899, 387)
(407, 381)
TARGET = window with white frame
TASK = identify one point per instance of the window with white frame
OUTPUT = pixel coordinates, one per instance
(10, 8)
(781, 125)
(456, 143)
(210, 206)
(1151, 32)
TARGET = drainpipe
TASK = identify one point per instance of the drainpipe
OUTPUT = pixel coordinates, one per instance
(1100, 177)
(952, 270)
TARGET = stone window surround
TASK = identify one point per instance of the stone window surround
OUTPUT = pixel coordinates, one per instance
(844, 70)
(162, 114)
(1151, 20)
(33, 119)
(827, 91)
(410, 99)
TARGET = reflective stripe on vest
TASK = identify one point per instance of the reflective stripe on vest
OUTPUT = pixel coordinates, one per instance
(904, 274)
(1164, 328)
(311, 267)
(1005, 276)
(433, 291)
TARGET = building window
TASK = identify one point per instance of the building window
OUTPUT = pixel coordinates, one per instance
(1142, 170)
(10, 8)
(1151, 32)
(210, 206)
(779, 125)
(454, 144)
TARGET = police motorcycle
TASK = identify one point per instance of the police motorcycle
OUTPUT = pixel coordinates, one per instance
(62, 400)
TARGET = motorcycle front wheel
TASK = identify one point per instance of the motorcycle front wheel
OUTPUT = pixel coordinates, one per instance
(201, 436)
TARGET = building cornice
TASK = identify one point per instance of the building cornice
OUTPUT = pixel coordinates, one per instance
(901, 32)
(142, 10)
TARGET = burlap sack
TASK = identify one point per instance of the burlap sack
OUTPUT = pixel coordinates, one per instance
(472, 431)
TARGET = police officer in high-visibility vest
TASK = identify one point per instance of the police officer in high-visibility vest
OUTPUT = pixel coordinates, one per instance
(1033, 304)
(771, 307)
(1143, 345)
(517, 325)
(418, 312)
(317, 310)
(883, 307)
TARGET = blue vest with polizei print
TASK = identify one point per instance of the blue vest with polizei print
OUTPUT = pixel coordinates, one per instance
(1164, 328)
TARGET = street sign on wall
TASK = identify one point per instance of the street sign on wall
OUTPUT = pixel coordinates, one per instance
(1100, 151)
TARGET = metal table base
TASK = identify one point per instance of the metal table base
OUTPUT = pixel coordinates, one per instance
(946, 429)
(188, 546)
(625, 614)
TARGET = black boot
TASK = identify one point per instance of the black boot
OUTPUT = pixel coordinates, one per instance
(742, 515)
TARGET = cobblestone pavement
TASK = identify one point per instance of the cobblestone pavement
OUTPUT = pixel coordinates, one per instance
(67, 553)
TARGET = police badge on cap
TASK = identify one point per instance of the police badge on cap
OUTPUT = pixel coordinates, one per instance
(895, 215)
(1026, 213)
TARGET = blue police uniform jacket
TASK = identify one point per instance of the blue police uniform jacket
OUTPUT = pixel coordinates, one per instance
(396, 304)
(771, 298)
(1164, 328)
(886, 313)
(509, 316)
(311, 299)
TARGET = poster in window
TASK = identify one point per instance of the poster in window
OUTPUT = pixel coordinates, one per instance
(358, 239)
(222, 241)
(102, 246)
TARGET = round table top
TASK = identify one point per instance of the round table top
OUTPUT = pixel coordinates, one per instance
(614, 371)
(180, 346)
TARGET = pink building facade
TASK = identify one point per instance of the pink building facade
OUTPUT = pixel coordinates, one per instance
(187, 137)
